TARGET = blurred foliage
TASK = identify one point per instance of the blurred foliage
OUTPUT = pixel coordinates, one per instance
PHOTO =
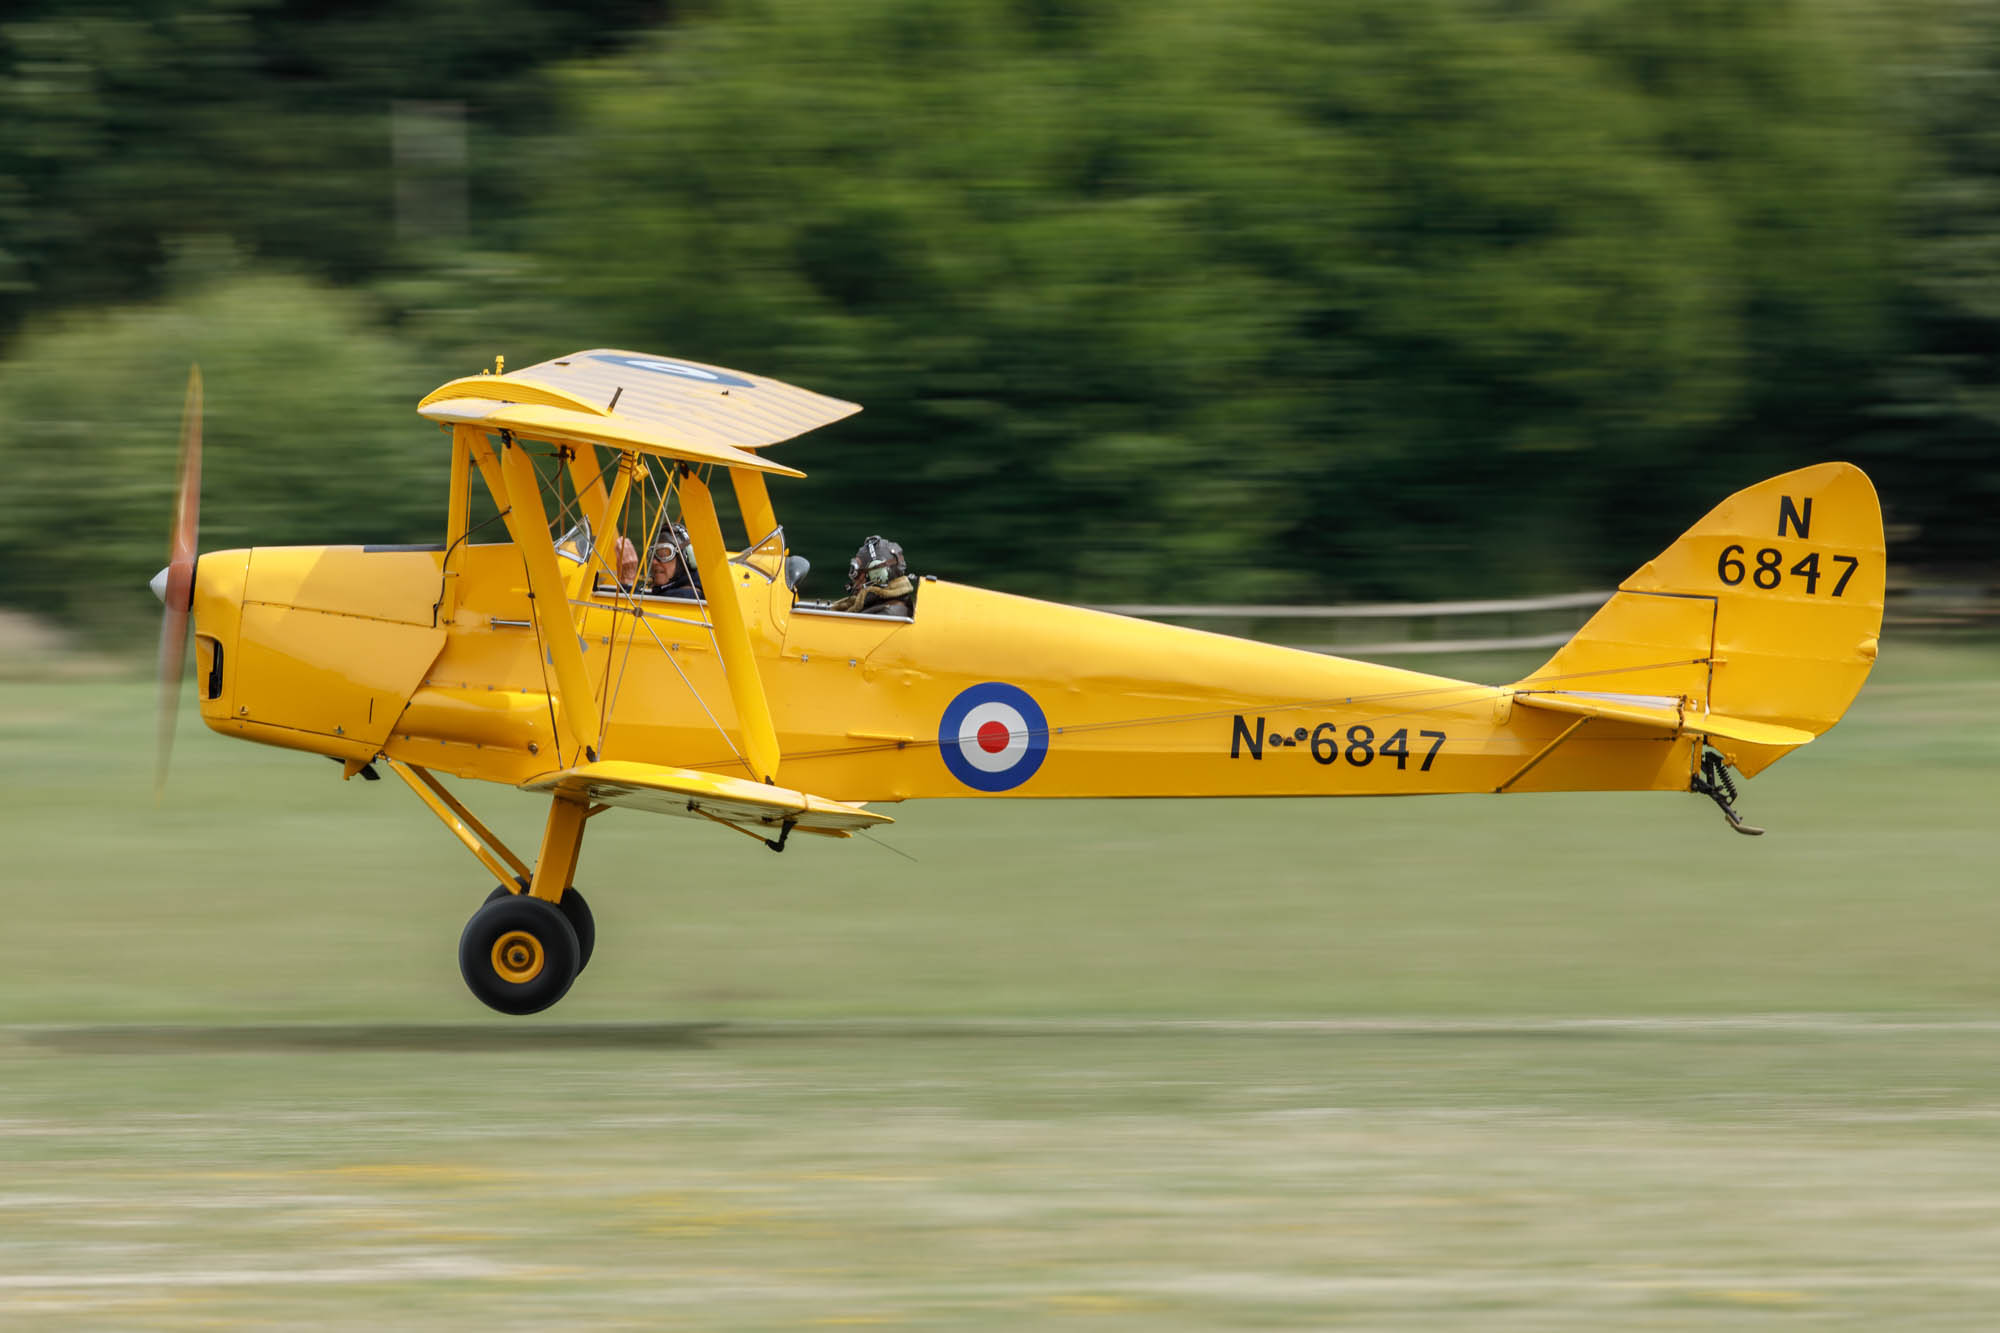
(1280, 300)
(133, 122)
(323, 450)
(1936, 452)
(1391, 298)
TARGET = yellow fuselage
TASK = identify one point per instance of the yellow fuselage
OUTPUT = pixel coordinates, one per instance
(358, 652)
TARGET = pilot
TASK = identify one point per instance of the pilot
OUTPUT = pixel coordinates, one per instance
(668, 573)
(878, 582)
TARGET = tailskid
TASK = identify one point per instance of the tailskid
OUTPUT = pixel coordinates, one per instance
(1715, 783)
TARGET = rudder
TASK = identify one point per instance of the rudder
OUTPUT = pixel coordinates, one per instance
(1769, 609)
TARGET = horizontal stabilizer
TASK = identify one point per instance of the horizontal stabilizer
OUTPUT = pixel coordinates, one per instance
(1663, 712)
(683, 791)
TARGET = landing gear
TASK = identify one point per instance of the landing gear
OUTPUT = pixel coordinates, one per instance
(576, 909)
(519, 954)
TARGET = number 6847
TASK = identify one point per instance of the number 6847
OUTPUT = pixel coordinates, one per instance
(1768, 569)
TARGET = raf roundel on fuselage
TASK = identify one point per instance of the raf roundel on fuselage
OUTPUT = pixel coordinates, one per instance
(993, 736)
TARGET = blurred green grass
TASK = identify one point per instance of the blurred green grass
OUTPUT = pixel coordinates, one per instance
(1537, 1062)
(265, 888)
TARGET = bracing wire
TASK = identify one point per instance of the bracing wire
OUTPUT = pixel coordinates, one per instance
(720, 730)
(606, 693)
(632, 608)
(609, 703)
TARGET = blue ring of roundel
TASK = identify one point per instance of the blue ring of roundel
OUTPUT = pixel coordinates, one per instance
(994, 691)
(660, 365)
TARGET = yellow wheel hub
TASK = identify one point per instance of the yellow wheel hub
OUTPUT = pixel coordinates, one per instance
(518, 957)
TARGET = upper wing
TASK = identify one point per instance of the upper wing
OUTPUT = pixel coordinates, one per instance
(653, 403)
(686, 792)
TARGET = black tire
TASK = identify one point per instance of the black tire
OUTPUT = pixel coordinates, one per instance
(580, 920)
(518, 954)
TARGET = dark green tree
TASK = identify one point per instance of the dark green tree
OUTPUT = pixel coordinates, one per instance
(296, 128)
(1390, 299)
(1935, 448)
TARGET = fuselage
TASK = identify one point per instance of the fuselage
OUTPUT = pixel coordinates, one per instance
(359, 652)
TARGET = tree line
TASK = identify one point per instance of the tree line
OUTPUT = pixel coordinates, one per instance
(1395, 298)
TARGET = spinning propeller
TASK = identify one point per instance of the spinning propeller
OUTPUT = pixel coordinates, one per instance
(174, 585)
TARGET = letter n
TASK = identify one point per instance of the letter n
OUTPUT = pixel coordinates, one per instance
(1243, 733)
(1791, 515)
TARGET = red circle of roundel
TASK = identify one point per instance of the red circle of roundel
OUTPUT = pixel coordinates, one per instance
(993, 737)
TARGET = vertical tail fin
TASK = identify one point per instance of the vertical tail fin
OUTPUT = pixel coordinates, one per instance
(1768, 611)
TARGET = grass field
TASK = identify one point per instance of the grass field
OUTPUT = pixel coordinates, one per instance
(1533, 1062)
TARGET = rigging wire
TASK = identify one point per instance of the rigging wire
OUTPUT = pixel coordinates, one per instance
(607, 704)
(708, 623)
(719, 728)
(887, 847)
(607, 693)
(550, 481)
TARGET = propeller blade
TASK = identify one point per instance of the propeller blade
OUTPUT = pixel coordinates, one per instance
(178, 590)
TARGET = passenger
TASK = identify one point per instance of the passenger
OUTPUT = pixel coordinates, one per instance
(878, 582)
(669, 573)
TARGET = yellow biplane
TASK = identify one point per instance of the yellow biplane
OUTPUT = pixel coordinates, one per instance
(521, 650)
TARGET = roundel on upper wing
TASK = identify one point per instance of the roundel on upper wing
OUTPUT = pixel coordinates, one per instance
(659, 365)
(993, 736)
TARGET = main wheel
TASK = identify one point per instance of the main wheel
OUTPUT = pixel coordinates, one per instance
(580, 920)
(518, 954)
